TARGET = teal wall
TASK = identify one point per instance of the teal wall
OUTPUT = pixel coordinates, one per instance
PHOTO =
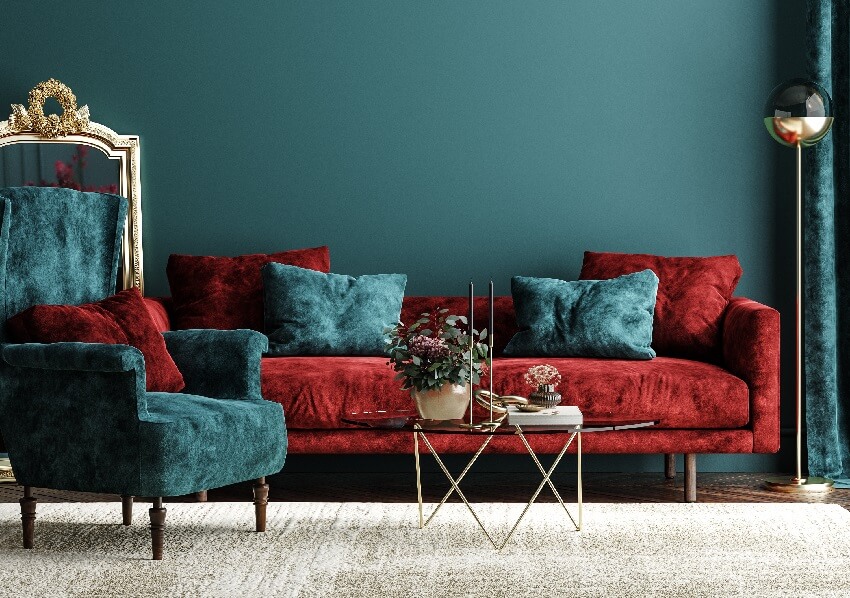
(443, 139)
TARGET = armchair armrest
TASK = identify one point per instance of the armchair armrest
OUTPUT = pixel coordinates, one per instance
(222, 364)
(751, 351)
(66, 409)
(84, 357)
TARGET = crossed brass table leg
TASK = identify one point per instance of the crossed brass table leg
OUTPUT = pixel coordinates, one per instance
(455, 483)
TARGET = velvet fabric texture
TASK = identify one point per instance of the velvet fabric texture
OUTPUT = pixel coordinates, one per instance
(312, 313)
(77, 417)
(58, 246)
(223, 364)
(585, 318)
(316, 392)
(693, 293)
(751, 351)
(227, 292)
(358, 441)
(82, 357)
(158, 308)
(827, 249)
(121, 319)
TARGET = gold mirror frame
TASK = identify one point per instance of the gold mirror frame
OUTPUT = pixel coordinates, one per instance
(74, 127)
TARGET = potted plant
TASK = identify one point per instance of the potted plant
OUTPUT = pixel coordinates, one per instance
(543, 379)
(437, 361)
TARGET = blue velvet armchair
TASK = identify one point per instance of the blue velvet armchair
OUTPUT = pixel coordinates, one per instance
(76, 416)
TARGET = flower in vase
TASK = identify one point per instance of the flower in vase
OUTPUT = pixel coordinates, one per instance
(542, 375)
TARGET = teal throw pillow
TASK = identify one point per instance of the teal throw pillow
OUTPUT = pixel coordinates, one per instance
(313, 313)
(584, 318)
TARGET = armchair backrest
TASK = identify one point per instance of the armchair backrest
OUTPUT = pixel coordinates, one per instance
(58, 246)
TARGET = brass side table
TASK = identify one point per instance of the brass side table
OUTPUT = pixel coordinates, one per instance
(407, 421)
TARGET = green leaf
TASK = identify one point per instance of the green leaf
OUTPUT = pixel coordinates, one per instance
(483, 335)
(416, 360)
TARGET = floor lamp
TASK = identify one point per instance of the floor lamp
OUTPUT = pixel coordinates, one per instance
(798, 114)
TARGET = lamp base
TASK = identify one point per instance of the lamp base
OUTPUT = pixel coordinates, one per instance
(792, 485)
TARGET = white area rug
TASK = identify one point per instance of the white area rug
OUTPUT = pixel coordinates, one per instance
(376, 549)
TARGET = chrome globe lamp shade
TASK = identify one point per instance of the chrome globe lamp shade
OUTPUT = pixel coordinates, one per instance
(799, 114)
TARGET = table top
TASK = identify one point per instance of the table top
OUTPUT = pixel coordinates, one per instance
(409, 420)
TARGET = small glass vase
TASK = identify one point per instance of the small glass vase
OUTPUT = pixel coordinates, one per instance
(450, 401)
(545, 396)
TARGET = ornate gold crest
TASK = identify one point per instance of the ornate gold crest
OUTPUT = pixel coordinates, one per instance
(70, 122)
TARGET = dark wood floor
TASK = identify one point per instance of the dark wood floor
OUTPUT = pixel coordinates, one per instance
(487, 487)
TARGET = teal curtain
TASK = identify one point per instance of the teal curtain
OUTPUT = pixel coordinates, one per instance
(827, 249)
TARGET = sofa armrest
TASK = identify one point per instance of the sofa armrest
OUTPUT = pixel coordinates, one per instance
(221, 364)
(751, 342)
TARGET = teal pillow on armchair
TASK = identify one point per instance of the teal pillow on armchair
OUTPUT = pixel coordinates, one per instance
(313, 313)
(584, 318)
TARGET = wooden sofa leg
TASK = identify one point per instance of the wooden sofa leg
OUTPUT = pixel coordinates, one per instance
(157, 514)
(261, 499)
(126, 509)
(690, 477)
(201, 496)
(28, 504)
(669, 465)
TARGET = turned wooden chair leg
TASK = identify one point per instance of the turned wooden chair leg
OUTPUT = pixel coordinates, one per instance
(690, 477)
(126, 509)
(201, 496)
(261, 499)
(28, 504)
(157, 514)
(670, 465)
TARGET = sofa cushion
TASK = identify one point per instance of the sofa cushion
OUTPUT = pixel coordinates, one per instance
(227, 292)
(693, 293)
(313, 313)
(122, 319)
(584, 318)
(317, 391)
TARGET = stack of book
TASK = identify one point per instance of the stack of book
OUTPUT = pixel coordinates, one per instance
(6, 474)
(562, 415)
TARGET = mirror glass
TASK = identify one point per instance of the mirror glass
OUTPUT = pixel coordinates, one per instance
(76, 166)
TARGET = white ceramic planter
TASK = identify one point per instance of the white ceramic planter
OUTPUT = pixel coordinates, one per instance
(449, 402)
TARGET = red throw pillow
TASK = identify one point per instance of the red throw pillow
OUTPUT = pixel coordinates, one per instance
(227, 292)
(693, 293)
(121, 319)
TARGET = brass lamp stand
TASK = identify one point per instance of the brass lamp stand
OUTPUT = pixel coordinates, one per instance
(799, 114)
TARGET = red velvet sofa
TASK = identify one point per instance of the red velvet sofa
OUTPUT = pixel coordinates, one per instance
(728, 406)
